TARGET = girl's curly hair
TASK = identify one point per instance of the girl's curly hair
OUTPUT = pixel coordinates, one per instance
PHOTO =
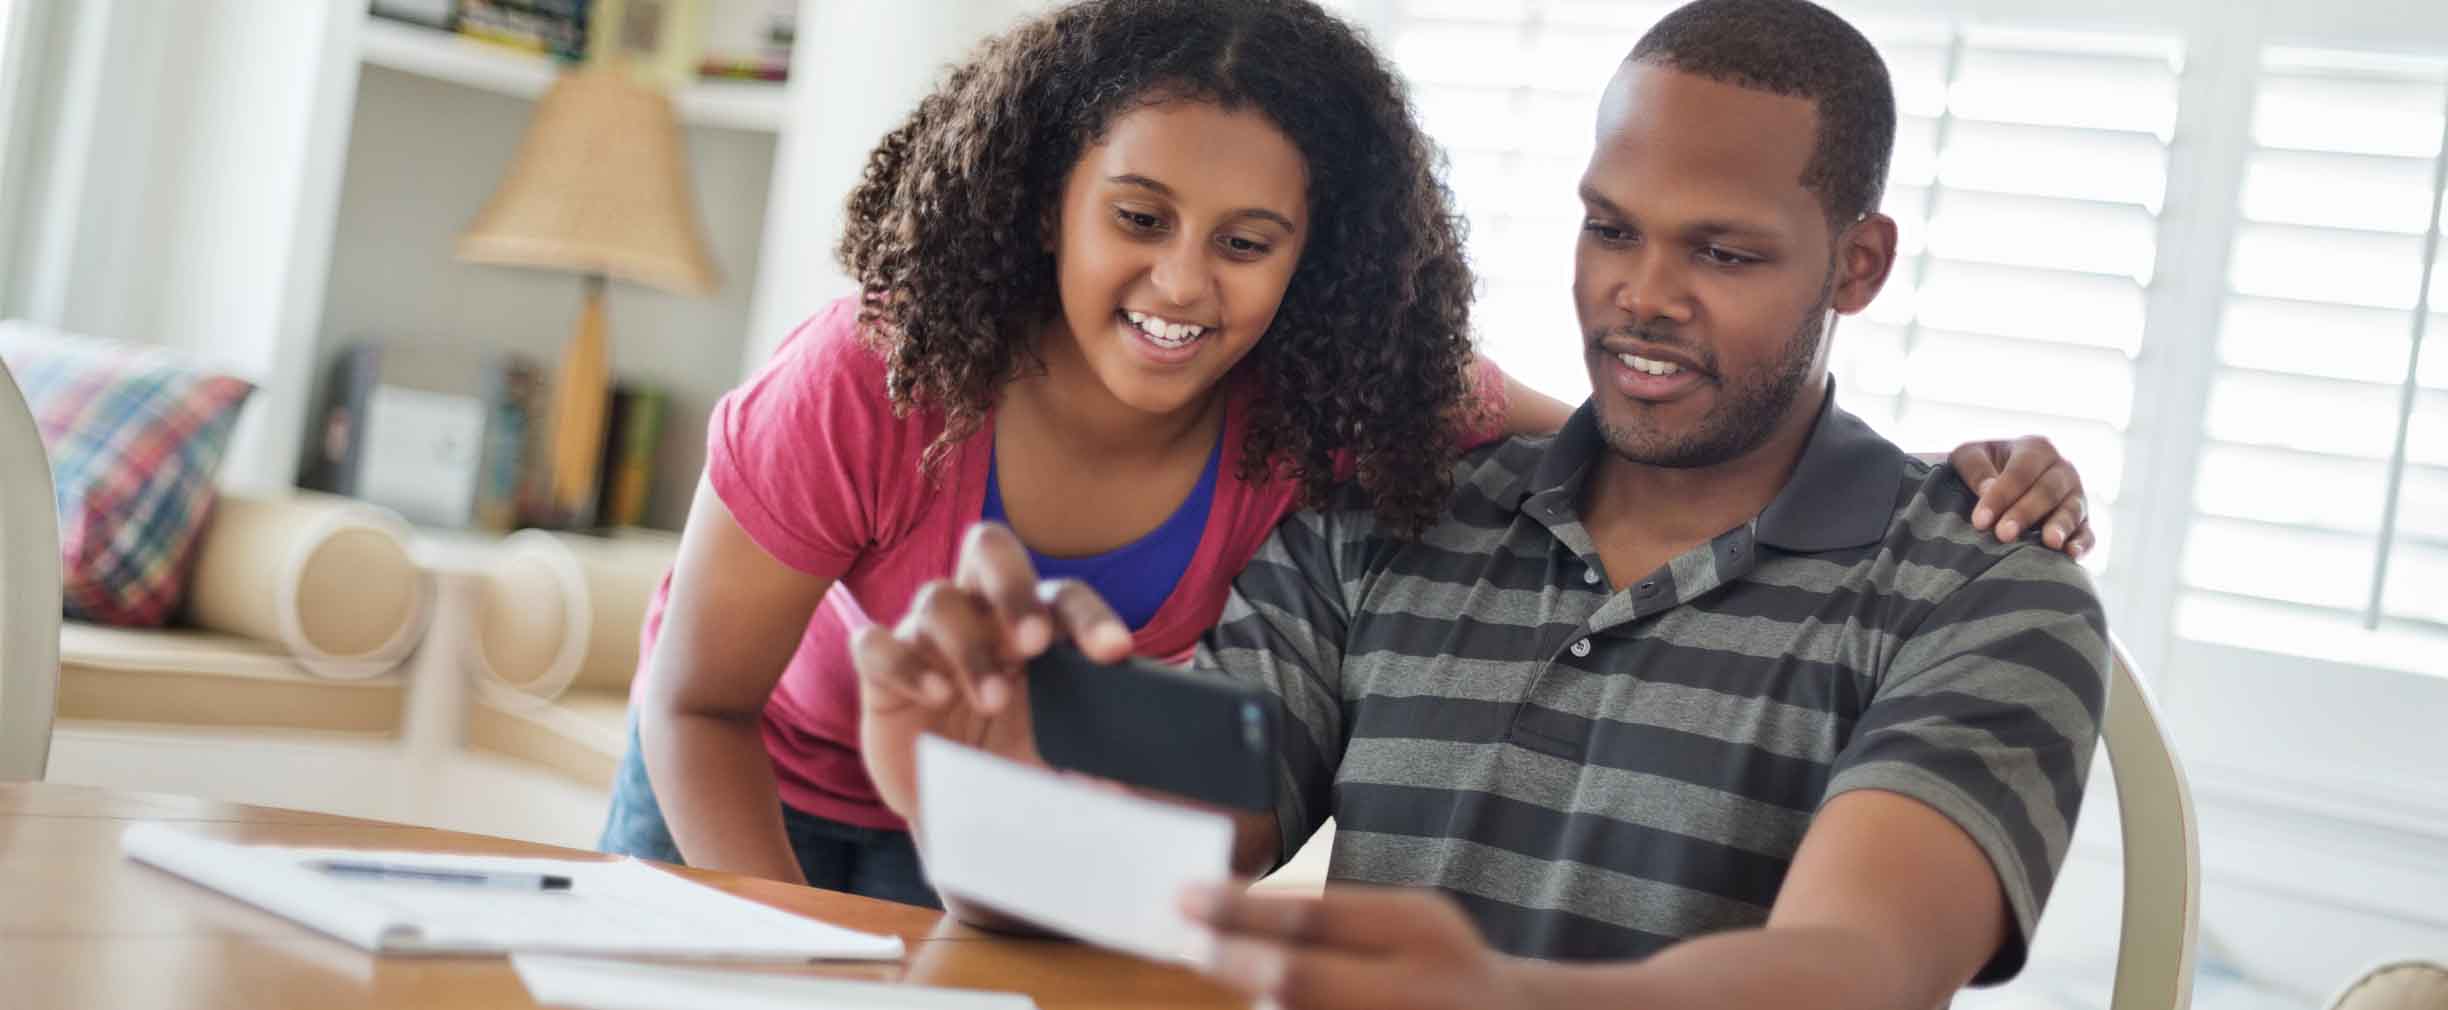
(1369, 351)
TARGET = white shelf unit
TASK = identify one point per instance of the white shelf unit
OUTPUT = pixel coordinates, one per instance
(428, 52)
(427, 131)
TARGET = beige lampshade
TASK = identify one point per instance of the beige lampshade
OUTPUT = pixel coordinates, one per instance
(600, 185)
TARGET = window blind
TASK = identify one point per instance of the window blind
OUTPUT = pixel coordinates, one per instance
(2321, 493)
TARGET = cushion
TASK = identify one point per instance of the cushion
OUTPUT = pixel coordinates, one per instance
(2404, 985)
(190, 678)
(134, 436)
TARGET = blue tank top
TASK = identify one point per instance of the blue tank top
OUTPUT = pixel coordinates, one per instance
(1137, 577)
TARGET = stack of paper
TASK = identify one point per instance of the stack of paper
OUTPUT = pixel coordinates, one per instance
(1101, 865)
(554, 980)
(614, 907)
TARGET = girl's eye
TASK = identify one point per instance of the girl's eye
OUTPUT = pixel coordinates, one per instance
(1138, 220)
(1246, 247)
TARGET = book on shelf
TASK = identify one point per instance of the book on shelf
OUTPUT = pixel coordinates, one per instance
(441, 14)
(556, 28)
(749, 39)
(718, 39)
(428, 434)
(632, 440)
(514, 389)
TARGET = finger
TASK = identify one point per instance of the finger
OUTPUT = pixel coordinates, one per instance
(2058, 529)
(1083, 616)
(895, 670)
(1360, 919)
(963, 633)
(2051, 490)
(2084, 541)
(2029, 457)
(1296, 979)
(1976, 462)
(994, 562)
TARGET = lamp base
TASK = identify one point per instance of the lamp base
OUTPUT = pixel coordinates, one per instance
(581, 386)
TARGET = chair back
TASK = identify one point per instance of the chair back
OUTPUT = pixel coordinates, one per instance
(2162, 918)
(29, 591)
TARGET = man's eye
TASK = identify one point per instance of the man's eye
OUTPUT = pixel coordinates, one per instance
(1727, 257)
(1604, 232)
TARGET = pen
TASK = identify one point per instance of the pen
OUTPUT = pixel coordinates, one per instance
(431, 875)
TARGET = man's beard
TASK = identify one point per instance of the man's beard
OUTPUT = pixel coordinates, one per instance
(1748, 409)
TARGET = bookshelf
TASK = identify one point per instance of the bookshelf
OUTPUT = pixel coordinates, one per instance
(441, 55)
(421, 142)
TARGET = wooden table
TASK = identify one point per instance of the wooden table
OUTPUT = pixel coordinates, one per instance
(81, 926)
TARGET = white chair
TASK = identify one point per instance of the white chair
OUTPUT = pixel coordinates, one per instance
(29, 591)
(2162, 850)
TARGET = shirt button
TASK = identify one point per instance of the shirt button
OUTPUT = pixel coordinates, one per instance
(1581, 648)
(1590, 576)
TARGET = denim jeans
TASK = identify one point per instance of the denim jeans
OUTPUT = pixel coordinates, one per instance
(835, 856)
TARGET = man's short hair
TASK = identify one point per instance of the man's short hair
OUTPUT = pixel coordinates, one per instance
(1799, 49)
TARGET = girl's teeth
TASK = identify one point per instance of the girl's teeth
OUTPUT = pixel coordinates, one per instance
(1163, 331)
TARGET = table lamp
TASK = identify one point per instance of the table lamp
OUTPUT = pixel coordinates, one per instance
(599, 187)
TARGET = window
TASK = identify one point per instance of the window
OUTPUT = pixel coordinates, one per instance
(2320, 374)
(1509, 90)
(2026, 185)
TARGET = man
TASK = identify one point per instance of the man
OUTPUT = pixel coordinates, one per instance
(1714, 699)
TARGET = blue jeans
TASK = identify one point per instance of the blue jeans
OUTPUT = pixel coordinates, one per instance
(835, 856)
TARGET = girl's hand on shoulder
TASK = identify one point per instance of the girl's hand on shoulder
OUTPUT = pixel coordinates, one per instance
(2025, 485)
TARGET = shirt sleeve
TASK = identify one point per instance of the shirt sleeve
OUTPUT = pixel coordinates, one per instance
(1283, 628)
(1989, 714)
(1488, 388)
(795, 452)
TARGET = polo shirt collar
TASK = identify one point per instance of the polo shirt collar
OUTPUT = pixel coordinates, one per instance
(1841, 494)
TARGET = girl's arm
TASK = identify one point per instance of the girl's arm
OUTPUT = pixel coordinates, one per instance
(1528, 411)
(734, 617)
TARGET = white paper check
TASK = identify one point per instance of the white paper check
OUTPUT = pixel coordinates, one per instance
(599, 984)
(1100, 865)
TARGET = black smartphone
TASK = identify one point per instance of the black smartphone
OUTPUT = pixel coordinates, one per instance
(1145, 724)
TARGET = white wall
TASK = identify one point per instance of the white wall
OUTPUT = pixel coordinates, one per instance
(857, 72)
(178, 199)
(244, 188)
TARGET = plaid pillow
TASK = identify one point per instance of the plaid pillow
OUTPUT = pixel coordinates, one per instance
(134, 436)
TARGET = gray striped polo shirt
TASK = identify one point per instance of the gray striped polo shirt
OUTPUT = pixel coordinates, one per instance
(1597, 773)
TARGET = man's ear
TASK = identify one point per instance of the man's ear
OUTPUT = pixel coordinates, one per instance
(1865, 255)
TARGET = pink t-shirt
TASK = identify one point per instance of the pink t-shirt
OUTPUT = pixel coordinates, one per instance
(815, 467)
